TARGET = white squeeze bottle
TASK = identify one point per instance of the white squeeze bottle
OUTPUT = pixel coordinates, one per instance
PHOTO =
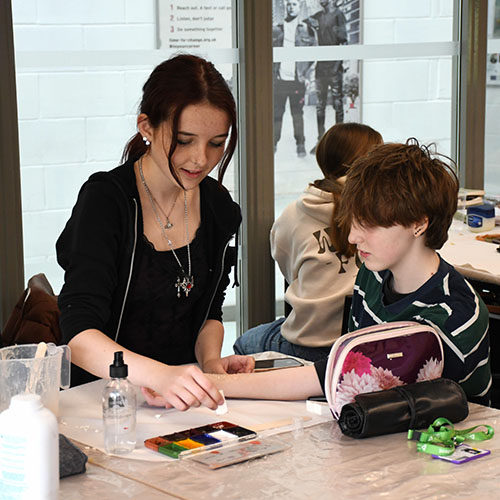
(118, 409)
(29, 450)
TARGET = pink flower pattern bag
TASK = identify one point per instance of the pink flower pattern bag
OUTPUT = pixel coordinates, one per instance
(381, 357)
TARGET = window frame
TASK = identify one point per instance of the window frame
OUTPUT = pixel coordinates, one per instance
(11, 233)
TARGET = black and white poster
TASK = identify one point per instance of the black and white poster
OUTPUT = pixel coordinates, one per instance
(317, 94)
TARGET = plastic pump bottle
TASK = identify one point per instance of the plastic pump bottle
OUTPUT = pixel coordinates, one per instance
(119, 409)
(29, 450)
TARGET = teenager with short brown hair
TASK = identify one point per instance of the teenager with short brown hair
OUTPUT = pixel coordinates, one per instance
(399, 202)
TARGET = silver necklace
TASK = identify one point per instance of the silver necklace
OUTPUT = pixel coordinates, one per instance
(168, 223)
(185, 282)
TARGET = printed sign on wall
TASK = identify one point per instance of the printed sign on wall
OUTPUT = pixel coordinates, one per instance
(195, 25)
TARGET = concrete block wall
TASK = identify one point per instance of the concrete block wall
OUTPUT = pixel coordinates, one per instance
(408, 97)
(73, 120)
(492, 140)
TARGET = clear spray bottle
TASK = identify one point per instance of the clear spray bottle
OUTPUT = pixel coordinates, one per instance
(119, 409)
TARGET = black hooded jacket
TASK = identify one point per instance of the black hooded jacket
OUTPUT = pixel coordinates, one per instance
(98, 251)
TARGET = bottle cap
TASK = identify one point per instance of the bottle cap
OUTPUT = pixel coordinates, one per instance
(26, 401)
(485, 210)
(118, 369)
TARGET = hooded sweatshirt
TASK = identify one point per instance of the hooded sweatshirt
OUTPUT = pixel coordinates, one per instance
(100, 253)
(319, 277)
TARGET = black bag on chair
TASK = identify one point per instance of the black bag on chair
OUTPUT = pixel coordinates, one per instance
(412, 406)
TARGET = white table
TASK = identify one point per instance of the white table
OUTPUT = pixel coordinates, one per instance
(80, 418)
(475, 259)
(321, 463)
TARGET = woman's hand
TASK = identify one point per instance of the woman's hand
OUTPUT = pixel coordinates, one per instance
(230, 364)
(170, 386)
(153, 398)
(182, 387)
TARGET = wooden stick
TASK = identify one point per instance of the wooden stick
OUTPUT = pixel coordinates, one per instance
(275, 424)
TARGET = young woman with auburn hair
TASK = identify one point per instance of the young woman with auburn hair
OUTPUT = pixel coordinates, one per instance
(147, 252)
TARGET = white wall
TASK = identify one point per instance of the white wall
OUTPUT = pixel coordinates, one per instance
(408, 98)
(492, 141)
(73, 120)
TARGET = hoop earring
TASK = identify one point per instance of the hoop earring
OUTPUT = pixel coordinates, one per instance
(145, 139)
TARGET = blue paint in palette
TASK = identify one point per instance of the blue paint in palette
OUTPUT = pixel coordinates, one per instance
(205, 439)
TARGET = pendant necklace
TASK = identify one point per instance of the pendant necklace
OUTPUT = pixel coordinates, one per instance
(185, 281)
(168, 223)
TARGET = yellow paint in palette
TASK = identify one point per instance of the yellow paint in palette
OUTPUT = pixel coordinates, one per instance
(189, 444)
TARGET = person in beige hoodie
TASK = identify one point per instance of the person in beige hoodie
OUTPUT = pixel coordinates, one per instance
(314, 255)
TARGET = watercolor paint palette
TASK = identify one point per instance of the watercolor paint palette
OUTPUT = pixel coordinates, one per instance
(199, 439)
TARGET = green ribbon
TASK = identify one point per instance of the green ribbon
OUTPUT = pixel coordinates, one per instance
(441, 437)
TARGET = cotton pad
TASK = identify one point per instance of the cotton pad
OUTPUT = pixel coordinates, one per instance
(221, 409)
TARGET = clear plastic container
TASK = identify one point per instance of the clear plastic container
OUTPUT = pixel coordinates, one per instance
(481, 218)
(21, 372)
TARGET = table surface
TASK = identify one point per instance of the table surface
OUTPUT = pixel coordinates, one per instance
(474, 259)
(321, 462)
(80, 418)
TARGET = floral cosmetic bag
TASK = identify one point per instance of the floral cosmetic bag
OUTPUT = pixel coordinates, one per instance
(381, 357)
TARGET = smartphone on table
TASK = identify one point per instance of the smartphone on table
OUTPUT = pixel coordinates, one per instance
(276, 363)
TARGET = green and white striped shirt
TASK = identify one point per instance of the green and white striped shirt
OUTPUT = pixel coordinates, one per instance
(449, 304)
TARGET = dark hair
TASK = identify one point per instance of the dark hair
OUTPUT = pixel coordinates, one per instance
(402, 184)
(175, 84)
(336, 150)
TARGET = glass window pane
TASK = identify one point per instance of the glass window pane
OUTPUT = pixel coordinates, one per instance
(385, 63)
(492, 118)
(407, 21)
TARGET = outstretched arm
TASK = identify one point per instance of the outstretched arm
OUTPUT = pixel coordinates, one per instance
(286, 384)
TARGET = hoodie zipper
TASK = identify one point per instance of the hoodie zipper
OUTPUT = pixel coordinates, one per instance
(129, 274)
(216, 286)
